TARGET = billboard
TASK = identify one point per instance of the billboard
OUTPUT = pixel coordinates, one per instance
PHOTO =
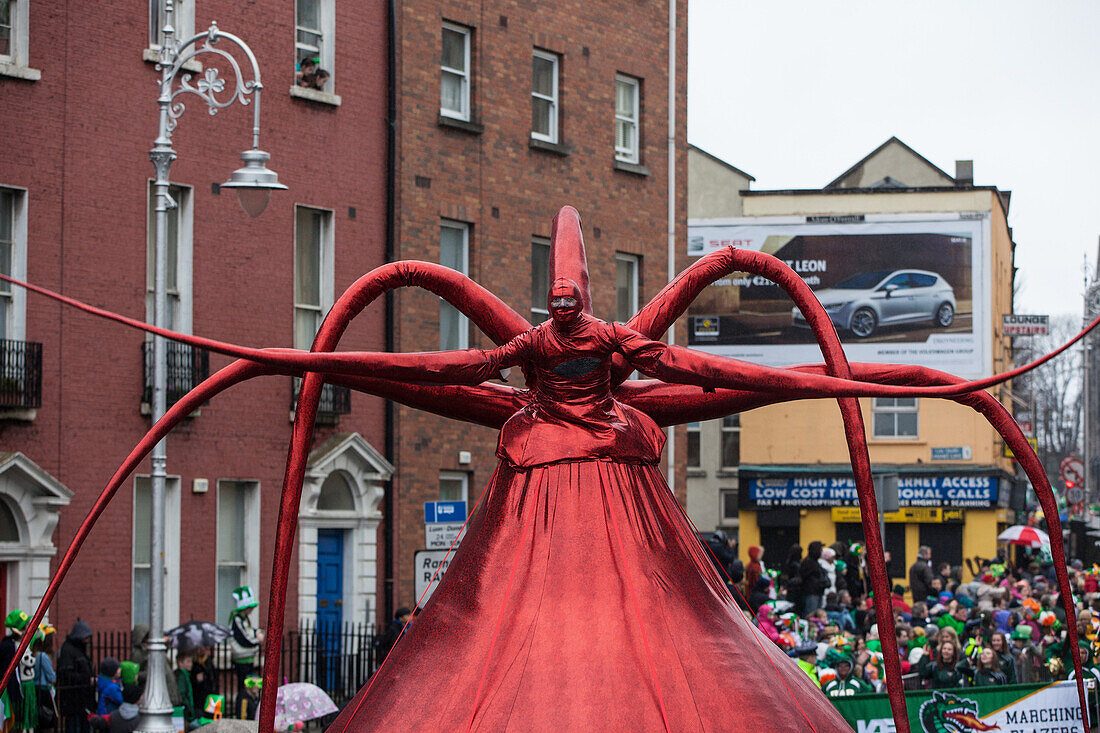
(910, 289)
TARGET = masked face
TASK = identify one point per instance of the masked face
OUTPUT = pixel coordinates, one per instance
(564, 302)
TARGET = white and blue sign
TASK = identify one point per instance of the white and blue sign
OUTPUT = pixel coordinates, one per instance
(827, 491)
(952, 453)
(438, 512)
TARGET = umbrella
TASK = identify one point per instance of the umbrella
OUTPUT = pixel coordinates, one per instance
(194, 634)
(299, 702)
(1022, 535)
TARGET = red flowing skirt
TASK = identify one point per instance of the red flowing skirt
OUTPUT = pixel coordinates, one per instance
(580, 599)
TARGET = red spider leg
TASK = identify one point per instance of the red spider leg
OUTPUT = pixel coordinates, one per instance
(488, 404)
(670, 404)
(225, 378)
(662, 311)
(1006, 425)
(403, 366)
(492, 315)
(567, 257)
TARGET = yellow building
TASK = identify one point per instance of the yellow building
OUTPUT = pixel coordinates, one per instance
(914, 266)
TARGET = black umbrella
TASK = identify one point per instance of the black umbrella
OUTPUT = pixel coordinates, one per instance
(194, 634)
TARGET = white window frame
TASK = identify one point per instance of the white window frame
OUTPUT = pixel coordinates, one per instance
(327, 51)
(250, 567)
(463, 478)
(183, 20)
(878, 407)
(624, 153)
(725, 430)
(727, 519)
(171, 550)
(20, 17)
(15, 327)
(555, 61)
(635, 263)
(326, 269)
(464, 74)
(694, 429)
(539, 313)
(463, 340)
(183, 196)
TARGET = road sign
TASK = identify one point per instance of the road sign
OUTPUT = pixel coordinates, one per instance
(444, 511)
(1076, 495)
(1072, 469)
(953, 453)
(441, 536)
(428, 569)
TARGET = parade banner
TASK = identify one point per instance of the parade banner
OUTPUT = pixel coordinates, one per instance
(1049, 708)
(910, 288)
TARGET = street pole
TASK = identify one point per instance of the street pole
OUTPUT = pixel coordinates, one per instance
(254, 183)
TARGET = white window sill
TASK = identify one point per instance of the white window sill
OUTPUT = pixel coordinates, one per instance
(152, 56)
(19, 72)
(19, 414)
(315, 95)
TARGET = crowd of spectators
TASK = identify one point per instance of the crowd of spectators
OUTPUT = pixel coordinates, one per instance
(1006, 625)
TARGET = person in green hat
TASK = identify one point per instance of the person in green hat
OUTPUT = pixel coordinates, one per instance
(249, 705)
(1030, 664)
(245, 641)
(844, 684)
(16, 708)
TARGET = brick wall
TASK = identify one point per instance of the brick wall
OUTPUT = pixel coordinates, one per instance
(509, 192)
(83, 133)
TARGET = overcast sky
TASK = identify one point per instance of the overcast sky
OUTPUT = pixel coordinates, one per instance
(795, 92)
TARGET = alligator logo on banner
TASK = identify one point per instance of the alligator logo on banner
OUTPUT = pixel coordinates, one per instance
(948, 713)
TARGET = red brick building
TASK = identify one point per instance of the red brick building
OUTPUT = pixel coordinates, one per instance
(78, 105)
(501, 118)
(505, 114)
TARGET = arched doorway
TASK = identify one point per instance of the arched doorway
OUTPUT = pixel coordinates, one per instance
(338, 531)
(30, 504)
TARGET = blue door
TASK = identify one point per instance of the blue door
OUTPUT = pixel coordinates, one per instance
(330, 602)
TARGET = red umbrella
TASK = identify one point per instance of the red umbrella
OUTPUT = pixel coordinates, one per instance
(1027, 536)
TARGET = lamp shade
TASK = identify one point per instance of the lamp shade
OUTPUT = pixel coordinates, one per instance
(254, 182)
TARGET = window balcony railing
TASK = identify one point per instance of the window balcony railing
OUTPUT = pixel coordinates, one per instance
(187, 367)
(20, 374)
(335, 401)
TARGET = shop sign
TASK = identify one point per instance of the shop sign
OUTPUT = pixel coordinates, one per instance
(1017, 324)
(1008, 451)
(960, 491)
(909, 515)
(1006, 708)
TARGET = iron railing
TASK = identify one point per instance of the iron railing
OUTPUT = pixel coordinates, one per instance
(187, 367)
(338, 658)
(20, 374)
(335, 399)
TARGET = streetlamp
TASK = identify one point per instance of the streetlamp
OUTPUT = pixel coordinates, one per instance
(254, 183)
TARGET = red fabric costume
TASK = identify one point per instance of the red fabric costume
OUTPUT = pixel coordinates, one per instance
(580, 597)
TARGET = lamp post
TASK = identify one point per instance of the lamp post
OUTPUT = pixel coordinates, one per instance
(254, 183)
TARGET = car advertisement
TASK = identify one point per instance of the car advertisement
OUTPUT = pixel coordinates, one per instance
(898, 289)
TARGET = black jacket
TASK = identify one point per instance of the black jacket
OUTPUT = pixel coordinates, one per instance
(8, 647)
(814, 579)
(920, 579)
(75, 679)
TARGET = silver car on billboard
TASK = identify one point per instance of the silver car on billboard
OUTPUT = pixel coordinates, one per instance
(864, 302)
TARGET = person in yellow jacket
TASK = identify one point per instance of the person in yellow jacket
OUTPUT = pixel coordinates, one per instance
(806, 656)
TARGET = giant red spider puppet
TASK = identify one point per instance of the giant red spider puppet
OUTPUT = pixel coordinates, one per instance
(580, 596)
